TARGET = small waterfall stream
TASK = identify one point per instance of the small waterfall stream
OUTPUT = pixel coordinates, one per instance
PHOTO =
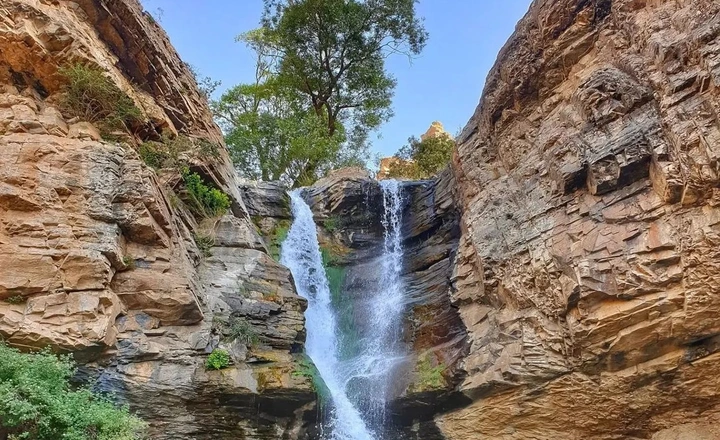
(359, 387)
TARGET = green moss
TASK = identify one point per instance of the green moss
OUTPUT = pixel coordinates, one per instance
(429, 375)
(304, 367)
(344, 307)
(276, 238)
(218, 360)
(332, 224)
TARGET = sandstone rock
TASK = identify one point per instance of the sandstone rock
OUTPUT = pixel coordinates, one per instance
(586, 268)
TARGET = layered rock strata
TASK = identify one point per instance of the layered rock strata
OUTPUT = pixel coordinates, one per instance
(587, 273)
(99, 255)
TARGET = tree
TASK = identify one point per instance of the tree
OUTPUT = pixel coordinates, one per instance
(420, 159)
(333, 53)
(273, 134)
(36, 403)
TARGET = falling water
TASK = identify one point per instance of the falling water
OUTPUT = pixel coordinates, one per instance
(301, 254)
(359, 387)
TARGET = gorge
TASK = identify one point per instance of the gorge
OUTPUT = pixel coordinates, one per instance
(558, 280)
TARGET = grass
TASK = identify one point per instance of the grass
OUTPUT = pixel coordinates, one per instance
(240, 329)
(91, 96)
(205, 243)
(168, 153)
(218, 360)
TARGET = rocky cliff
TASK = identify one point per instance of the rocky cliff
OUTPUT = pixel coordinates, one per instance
(101, 257)
(587, 272)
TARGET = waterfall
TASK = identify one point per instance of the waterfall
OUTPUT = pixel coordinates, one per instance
(360, 387)
(301, 254)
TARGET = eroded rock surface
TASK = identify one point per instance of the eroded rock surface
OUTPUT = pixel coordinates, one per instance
(99, 255)
(587, 273)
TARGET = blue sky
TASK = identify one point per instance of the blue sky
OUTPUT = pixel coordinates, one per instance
(444, 83)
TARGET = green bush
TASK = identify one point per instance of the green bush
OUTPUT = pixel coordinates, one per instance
(204, 201)
(218, 360)
(37, 403)
(90, 95)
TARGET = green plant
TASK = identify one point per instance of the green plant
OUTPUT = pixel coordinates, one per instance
(90, 95)
(332, 224)
(304, 367)
(420, 159)
(207, 149)
(128, 262)
(204, 201)
(205, 243)
(218, 360)
(38, 403)
(15, 299)
(240, 329)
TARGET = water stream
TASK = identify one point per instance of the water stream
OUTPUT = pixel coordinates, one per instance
(359, 387)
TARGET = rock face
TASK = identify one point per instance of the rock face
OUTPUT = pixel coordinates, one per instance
(99, 255)
(587, 272)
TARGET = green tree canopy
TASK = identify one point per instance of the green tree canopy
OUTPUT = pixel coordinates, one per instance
(420, 159)
(321, 85)
(36, 403)
(334, 51)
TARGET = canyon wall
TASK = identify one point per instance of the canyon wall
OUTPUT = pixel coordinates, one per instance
(587, 273)
(100, 255)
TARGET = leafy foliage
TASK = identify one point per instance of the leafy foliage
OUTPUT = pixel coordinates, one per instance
(90, 95)
(421, 159)
(218, 360)
(321, 86)
(272, 135)
(334, 51)
(37, 403)
(203, 200)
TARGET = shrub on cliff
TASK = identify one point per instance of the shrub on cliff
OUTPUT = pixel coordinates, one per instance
(204, 201)
(37, 402)
(421, 159)
(90, 95)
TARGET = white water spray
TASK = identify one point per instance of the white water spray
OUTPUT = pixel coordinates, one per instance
(301, 254)
(360, 388)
